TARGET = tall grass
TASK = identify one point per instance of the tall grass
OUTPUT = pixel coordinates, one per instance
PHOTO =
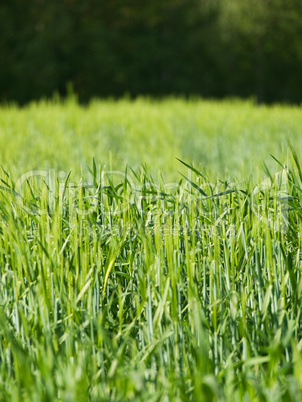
(125, 288)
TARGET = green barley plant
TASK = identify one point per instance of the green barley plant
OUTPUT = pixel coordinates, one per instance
(126, 290)
(122, 283)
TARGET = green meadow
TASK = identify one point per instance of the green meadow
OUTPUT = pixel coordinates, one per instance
(150, 250)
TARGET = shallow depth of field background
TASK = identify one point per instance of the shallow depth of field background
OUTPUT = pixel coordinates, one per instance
(230, 138)
(206, 48)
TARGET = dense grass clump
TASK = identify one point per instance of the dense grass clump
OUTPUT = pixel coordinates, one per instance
(121, 287)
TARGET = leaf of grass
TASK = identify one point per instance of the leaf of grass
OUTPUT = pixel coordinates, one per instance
(192, 168)
(195, 186)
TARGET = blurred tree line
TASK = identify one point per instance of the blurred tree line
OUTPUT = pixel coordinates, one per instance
(212, 48)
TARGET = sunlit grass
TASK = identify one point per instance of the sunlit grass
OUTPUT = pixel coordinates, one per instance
(121, 285)
(130, 291)
(222, 137)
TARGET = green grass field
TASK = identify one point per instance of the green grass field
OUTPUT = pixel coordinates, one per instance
(129, 274)
(230, 137)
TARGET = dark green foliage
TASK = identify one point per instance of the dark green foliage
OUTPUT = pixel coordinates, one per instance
(110, 48)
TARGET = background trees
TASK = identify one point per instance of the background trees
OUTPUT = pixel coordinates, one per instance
(212, 48)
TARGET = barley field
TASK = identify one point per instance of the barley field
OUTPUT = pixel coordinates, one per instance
(150, 250)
